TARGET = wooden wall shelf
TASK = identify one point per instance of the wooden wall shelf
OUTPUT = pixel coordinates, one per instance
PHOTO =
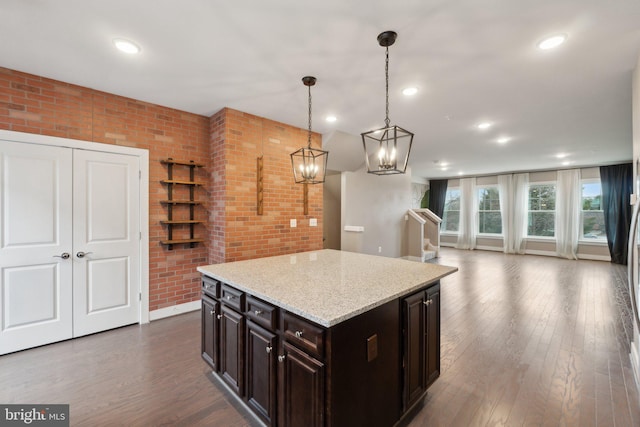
(176, 203)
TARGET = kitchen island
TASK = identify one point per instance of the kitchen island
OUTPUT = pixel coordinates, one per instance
(325, 338)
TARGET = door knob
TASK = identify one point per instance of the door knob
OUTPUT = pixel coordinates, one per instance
(65, 255)
(281, 358)
(83, 254)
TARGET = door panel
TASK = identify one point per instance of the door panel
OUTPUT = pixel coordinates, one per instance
(101, 292)
(35, 230)
(106, 229)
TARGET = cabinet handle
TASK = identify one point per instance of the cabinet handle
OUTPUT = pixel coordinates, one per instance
(298, 334)
(281, 358)
(257, 312)
(269, 349)
(219, 316)
(229, 297)
(212, 312)
(207, 286)
(428, 302)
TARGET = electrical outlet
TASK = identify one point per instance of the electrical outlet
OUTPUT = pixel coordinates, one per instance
(379, 249)
(313, 222)
(293, 223)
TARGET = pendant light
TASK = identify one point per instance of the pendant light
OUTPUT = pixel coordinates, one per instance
(387, 149)
(309, 164)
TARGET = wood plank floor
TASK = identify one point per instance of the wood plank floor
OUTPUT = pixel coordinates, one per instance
(526, 341)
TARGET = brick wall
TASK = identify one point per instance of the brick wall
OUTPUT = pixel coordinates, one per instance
(228, 144)
(237, 232)
(38, 105)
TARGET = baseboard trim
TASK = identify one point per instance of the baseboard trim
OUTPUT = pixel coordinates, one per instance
(174, 310)
(635, 362)
(595, 257)
(489, 248)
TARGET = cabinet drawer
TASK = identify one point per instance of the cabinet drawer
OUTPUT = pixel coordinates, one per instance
(304, 334)
(211, 287)
(262, 313)
(232, 297)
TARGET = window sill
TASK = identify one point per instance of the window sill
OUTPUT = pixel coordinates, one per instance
(490, 236)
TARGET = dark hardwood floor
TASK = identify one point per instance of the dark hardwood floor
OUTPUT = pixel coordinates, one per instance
(526, 341)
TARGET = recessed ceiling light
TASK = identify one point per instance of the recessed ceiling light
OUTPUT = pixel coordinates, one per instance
(409, 91)
(566, 163)
(503, 140)
(561, 155)
(331, 119)
(126, 46)
(460, 173)
(552, 42)
(484, 125)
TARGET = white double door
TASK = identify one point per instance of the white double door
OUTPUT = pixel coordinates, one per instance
(69, 243)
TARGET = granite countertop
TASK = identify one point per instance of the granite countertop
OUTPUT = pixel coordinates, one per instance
(327, 286)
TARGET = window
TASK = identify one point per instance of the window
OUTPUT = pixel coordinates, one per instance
(592, 215)
(542, 210)
(489, 217)
(451, 215)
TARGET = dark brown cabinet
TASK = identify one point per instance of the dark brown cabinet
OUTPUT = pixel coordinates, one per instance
(232, 348)
(432, 331)
(370, 369)
(301, 388)
(421, 342)
(210, 331)
(262, 350)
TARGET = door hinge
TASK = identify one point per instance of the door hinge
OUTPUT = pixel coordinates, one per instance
(140, 235)
(139, 296)
(139, 174)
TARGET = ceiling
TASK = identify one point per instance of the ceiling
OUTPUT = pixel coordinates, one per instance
(471, 61)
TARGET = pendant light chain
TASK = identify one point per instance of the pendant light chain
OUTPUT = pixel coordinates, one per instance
(309, 136)
(386, 150)
(386, 75)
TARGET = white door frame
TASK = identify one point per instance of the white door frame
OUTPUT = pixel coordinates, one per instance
(30, 138)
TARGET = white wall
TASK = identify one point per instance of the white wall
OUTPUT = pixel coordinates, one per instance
(635, 114)
(379, 204)
(331, 201)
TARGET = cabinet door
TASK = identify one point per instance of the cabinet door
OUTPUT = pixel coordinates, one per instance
(414, 348)
(261, 372)
(232, 349)
(432, 330)
(210, 328)
(301, 393)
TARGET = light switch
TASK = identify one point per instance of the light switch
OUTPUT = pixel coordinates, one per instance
(313, 222)
(293, 223)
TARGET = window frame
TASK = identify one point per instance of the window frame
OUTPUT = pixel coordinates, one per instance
(533, 237)
(582, 239)
(477, 213)
(443, 231)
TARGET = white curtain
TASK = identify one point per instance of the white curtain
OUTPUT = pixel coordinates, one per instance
(513, 209)
(468, 209)
(568, 200)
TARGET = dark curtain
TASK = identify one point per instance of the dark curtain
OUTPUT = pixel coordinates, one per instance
(617, 186)
(437, 195)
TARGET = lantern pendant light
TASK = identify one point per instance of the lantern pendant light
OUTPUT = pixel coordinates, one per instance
(387, 149)
(309, 164)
